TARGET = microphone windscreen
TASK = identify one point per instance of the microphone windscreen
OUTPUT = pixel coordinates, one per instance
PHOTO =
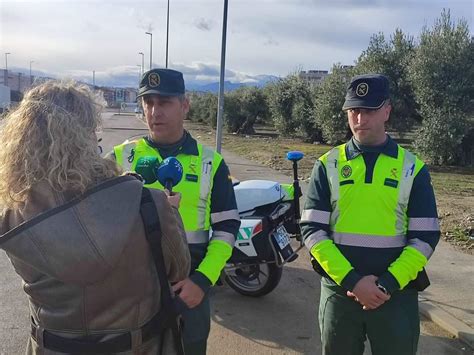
(146, 167)
(170, 172)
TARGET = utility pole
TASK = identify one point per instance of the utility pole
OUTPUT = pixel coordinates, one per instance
(167, 31)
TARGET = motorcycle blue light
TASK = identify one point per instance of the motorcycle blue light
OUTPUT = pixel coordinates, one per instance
(294, 155)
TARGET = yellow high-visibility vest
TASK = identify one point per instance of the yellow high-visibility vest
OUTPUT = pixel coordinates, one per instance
(195, 186)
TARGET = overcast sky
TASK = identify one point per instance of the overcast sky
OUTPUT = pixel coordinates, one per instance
(71, 38)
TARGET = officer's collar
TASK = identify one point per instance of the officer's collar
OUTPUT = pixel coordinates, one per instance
(354, 149)
(188, 145)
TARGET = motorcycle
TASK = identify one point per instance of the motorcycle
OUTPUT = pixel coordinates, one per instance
(269, 213)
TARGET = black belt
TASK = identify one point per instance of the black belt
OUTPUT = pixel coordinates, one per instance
(90, 344)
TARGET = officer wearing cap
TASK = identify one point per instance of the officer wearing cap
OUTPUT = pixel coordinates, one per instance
(208, 199)
(370, 224)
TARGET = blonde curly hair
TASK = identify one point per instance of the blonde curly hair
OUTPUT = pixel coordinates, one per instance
(51, 137)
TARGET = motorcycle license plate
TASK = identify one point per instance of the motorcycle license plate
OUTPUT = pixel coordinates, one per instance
(282, 238)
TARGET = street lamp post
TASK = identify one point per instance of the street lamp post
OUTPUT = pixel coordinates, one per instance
(140, 73)
(6, 61)
(31, 77)
(167, 31)
(151, 47)
(5, 76)
(220, 100)
(143, 62)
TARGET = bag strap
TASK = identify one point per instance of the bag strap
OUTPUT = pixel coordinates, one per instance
(151, 222)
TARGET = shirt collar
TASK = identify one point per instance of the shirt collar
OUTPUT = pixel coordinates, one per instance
(188, 147)
(354, 149)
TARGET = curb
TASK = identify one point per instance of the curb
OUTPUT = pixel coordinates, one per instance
(448, 322)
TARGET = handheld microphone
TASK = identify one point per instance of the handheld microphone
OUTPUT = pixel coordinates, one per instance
(146, 167)
(170, 173)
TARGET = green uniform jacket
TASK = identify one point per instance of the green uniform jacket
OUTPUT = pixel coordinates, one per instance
(383, 220)
(208, 201)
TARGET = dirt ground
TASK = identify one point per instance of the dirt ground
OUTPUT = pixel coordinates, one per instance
(454, 187)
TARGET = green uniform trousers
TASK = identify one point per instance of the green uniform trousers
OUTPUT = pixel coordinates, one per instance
(393, 328)
(197, 324)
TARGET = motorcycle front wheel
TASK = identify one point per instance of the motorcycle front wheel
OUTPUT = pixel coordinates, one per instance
(253, 280)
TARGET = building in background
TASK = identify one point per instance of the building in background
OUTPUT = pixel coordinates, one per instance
(18, 83)
(5, 97)
(315, 77)
(115, 96)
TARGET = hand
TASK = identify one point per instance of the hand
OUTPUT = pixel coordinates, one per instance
(189, 292)
(174, 198)
(367, 293)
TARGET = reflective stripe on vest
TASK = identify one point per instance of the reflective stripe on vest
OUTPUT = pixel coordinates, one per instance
(207, 156)
(369, 241)
(423, 224)
(317, 216)
(370, 214)
(197, 237)
(195, 187)
(227, 237)
(333, 180)
(406, 183)
(125, 154)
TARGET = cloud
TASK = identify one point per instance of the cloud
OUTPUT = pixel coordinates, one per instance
(270, 42)
(198, 68)
(203, 24)
(276, 37)
(92, 26)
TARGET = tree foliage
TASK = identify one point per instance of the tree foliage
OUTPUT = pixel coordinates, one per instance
(203, 108)
(442, 72)
(291, 106)
(392, 59)
(431, 83)
(328, 112)
(242, 108)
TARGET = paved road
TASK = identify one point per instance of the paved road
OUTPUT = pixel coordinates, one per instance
(283, 322)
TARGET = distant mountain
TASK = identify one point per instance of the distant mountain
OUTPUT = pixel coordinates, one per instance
(260, 81)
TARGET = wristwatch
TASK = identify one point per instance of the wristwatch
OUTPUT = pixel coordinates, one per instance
(382, 288)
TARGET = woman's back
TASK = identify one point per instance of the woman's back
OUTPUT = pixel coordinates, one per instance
(73, 229)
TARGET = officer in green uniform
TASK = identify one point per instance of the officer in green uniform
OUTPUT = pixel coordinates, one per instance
(208, 199)
(370, 224)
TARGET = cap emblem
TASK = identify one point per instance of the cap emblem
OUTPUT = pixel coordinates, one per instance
(153, 80)
(362, 89)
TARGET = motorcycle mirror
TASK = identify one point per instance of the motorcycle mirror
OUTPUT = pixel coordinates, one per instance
(294, 155)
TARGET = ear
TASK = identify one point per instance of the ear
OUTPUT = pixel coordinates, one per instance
(185, 105)
(388, 109)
